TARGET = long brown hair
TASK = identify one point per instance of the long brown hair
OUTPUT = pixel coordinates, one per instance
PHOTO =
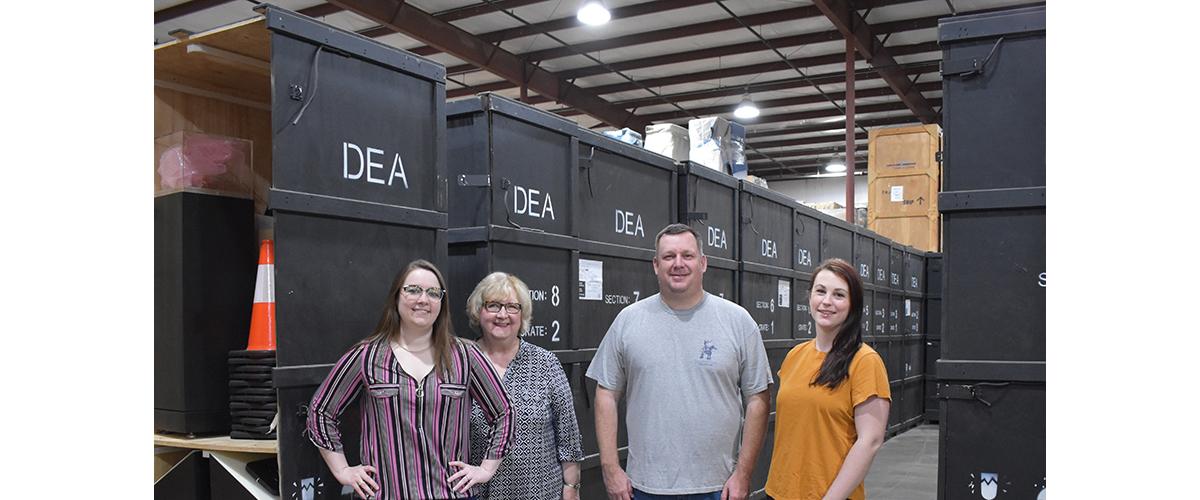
(836, 367)
(389, 321)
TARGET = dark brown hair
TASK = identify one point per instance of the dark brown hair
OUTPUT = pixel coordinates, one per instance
(389, 321)
(836, 367)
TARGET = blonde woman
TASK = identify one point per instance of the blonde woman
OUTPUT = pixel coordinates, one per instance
(543, 462)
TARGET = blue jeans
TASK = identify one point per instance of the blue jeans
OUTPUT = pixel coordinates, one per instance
(641, 495)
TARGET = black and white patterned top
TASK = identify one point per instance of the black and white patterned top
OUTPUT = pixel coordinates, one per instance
(545, 431)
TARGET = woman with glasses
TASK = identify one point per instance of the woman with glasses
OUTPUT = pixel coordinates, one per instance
(417, 384)
(543, 462)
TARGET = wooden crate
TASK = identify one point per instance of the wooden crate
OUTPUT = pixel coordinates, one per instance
(903, 181)
(902, 151)
(904, 196)
(923, 232)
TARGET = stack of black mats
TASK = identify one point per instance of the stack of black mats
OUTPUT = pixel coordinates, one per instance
(252, 399)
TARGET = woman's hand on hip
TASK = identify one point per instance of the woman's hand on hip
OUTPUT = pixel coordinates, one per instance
(359, 478)
(467, 476)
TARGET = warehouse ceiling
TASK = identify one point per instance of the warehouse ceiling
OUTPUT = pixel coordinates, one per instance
(664, 61)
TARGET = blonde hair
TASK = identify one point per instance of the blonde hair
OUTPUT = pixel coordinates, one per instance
(495, 286)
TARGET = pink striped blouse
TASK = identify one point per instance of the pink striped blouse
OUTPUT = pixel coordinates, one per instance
(412, 430)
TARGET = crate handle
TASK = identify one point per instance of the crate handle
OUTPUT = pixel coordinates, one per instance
(588, 168)
(972, 68)
(504, 185)
(312, 83)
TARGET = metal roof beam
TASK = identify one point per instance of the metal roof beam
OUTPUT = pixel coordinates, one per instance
(700, 76)
(812, 167)
(418, 24)
(700, 29)
(571, 21)
(811, 152)
(772, 17)
(826, 113)
(823, 127)
(784, 84)
(456, 14)
(746, 47)
(820, 139)
(859, 33)
(183, 9)
(786, 101)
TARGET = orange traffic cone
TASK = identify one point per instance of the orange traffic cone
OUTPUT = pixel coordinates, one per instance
(262, 319)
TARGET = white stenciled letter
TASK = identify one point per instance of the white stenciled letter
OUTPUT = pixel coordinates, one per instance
(346, 147)
(398, 171)
(548, 207)
(533, 202)
(371, 165)
(520, 200)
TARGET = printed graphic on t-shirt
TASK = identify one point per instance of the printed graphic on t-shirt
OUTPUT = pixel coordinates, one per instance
(706, 353)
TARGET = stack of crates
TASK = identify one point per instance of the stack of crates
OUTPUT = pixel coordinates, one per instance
(570, 212)
(992, 370)
(903, 176)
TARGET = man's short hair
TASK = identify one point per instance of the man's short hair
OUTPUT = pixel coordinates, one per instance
(678, 228)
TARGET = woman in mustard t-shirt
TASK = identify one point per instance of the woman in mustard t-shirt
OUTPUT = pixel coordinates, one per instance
(833, 400)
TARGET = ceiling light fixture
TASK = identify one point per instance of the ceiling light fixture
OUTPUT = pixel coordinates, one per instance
(835, 164)
(593, 13)
(746, 109)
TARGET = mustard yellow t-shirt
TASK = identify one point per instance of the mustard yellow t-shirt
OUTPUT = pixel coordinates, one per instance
(814, 426)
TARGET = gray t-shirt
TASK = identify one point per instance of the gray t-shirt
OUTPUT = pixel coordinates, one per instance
(684, 376)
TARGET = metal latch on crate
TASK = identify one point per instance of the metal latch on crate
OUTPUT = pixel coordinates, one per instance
(969, 66)
(971, 392)
(691, 216)
(478, 180)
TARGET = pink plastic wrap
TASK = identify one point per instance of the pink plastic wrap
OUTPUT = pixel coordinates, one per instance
(195, 160)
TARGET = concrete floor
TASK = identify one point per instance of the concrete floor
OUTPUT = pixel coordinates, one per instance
(906, 466)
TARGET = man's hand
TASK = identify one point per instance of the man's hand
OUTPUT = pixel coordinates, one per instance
(736, 488)
(617, 483)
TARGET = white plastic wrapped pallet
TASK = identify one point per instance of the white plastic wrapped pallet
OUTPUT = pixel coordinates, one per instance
(668, 139)
(718, 144)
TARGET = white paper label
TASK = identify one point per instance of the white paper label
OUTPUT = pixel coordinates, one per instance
(897, 193)
(785, 293)
(907, 307)
(591, 279)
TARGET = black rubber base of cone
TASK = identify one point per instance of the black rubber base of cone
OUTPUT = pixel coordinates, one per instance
(261, 429)
(252, 422)
(267, 414)
(238, 398)
(251, 377)
(250, 384)
(249, 369)
(251, 391)
(252, 362)
(251, 435)
(242, 405)
(251, 354)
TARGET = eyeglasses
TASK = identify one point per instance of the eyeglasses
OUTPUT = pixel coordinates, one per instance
(414, 291)
(494, 307)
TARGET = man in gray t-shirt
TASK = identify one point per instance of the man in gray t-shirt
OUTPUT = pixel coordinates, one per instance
(687, 363)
